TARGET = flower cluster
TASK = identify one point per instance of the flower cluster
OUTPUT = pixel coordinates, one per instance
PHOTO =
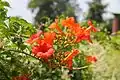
(57, 46)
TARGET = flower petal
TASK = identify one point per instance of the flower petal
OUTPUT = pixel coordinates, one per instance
(49, 37)
(34, 37)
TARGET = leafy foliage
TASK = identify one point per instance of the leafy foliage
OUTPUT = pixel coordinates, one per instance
(13, 31)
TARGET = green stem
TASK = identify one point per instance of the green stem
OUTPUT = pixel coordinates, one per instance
(84, 67)
(22, 52)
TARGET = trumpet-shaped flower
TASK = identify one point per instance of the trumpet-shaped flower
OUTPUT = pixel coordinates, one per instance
(43, 51)
(54, 25)
(91, 26)
(91, 59)
(68, 22)
(34, 37)
(49, 37)
(84, 33)
(70, 56)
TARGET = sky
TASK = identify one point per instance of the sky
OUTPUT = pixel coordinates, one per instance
(19, 8)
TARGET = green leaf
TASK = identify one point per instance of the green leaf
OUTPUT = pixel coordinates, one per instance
(4, 3)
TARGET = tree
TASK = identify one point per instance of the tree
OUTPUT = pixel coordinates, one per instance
(96, 10)
(50, 8)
